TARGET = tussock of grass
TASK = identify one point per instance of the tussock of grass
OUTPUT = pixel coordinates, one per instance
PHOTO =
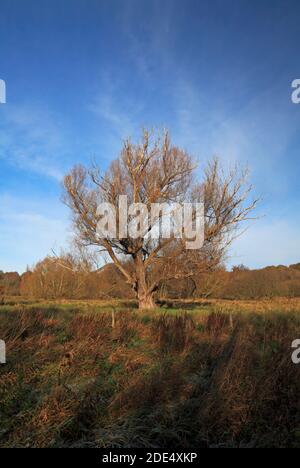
(218, 375)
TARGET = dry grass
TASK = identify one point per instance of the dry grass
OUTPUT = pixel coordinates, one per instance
(218, 375)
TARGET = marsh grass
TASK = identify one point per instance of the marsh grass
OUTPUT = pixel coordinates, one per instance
(218, 374)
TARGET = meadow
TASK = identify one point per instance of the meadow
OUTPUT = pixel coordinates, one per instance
(190, 374)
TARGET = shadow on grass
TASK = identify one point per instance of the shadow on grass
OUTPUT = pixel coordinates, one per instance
(162, 382)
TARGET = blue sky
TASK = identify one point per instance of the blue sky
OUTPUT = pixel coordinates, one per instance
(83, 74)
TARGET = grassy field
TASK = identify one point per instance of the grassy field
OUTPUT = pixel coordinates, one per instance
(190, 374)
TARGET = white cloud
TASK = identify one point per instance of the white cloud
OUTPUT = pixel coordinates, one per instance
(115, 112)
(254, 131)
(33, 140)
(275, 242)
(29, 230)
(150, 36)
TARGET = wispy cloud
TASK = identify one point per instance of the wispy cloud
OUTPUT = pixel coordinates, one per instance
(268, 242)
(112, 106)
(33, 140)
(149, 32)
(30, 228)
(252, 130)
(117, 116)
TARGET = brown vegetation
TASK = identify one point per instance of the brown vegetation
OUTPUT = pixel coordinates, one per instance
(210, 379)
(50, 279)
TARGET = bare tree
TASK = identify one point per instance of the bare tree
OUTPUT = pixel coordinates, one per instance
(155, 171)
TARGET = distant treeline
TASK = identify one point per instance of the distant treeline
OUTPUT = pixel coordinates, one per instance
(57, 279)
(280, 281)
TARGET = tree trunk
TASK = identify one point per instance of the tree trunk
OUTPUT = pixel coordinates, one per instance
(145, 298)
(146, 302)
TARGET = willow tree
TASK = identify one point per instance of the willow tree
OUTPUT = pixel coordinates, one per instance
(154, 171)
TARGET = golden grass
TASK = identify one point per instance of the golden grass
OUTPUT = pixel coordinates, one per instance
(191, 374)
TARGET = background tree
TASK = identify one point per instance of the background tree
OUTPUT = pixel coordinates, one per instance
(9, 284)
(155, 171)
(1, 294)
